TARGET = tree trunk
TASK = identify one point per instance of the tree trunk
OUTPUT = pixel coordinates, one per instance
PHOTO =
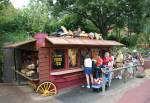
(103, 31)
(100, 25)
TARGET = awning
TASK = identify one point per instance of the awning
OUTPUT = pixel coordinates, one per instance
(82, 42)
(20, 43)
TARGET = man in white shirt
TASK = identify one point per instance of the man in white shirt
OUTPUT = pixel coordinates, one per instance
(88, 70)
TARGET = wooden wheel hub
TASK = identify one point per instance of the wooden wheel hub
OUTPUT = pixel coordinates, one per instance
(46, 93)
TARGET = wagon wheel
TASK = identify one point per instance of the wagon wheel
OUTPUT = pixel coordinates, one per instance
(46, 89)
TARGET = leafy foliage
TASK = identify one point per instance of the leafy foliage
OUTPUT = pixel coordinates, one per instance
(104, 14)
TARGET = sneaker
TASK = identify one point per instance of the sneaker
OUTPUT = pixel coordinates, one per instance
(83, 86)
(87, 86)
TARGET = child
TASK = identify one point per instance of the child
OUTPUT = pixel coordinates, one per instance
(88, 70)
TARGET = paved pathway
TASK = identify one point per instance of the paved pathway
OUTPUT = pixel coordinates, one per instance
(139, 94)
(24, 94)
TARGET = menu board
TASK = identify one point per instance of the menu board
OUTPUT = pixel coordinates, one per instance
(58, 59)
(73, 54)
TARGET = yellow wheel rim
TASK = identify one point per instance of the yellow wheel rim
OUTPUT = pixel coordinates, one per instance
(46, 89)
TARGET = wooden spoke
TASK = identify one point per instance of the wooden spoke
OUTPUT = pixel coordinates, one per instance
(52, 90)
(48, 86)
(42, 88)
(40, 91)
(46, 89)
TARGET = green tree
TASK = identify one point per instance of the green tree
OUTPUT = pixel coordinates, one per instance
(10, 27)
(104, 14)
(99, 12)
(37, 15)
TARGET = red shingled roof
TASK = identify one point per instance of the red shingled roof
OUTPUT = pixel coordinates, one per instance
(20, 43)
(71, 41)
(77, 41)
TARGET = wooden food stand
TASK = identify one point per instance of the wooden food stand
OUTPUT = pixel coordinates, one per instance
(58, 61)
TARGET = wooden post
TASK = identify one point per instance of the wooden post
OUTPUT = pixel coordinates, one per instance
(103, 87)
(134, 70)
(125, 75)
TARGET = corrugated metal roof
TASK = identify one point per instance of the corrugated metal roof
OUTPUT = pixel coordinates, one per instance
(77, 41)
(19, 43)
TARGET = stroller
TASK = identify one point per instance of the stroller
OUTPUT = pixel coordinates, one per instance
(102, 78)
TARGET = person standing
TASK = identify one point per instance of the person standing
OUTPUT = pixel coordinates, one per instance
(88, 70)
(140, 62)
(119, 62)
(111, 66)
(112, 59)
(99, 65)
(106, 59)
(129, 63)
(99, 61)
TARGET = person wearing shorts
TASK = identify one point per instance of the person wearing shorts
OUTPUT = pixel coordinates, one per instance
(88, 70)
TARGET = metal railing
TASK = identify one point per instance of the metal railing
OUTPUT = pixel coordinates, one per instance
(124, 74)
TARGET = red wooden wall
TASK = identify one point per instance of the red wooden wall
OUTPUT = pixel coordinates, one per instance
(68, 80)
(61, 81)
(44, 64)
(60, 78)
